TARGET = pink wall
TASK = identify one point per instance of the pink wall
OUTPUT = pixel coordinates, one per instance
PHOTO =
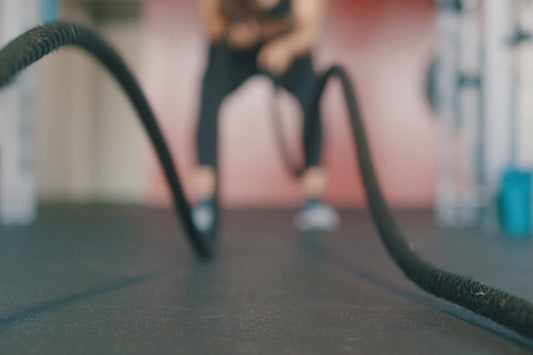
(384, 45)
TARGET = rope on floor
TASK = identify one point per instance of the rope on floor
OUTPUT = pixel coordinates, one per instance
(500, 306)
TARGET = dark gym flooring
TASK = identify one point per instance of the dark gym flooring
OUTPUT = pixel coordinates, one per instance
(98, 280)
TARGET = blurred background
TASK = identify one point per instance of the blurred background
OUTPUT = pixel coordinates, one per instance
(87, 146)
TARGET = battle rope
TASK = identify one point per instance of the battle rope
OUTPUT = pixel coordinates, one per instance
(38, 42)
(502, 307)
(296, 170)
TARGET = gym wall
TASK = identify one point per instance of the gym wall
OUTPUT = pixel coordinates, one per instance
(385, 45)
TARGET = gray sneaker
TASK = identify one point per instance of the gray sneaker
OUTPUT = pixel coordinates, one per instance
(316, 216)
(203, 214)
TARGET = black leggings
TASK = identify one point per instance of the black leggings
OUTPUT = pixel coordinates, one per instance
(227, 69)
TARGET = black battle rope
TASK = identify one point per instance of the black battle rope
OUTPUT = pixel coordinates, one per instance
(497, 305)
(38, 42)
(500, 306)
(293, 168)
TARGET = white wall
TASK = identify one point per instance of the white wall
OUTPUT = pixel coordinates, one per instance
(89, 146)
(121, 147)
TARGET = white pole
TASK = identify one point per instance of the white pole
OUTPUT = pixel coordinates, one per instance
(17, 190)
(447, 32)
(526, 89)
(469, 113)
(498, 86)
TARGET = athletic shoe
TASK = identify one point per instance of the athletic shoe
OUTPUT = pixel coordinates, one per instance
(316, 216)
(203, 214)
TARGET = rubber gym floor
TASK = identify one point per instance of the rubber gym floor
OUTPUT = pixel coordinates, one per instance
(119, 279)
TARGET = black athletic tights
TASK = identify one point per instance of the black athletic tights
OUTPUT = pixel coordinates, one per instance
(226, 70)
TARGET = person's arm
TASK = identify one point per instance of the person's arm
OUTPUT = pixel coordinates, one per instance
(277, 55)
(214, 20)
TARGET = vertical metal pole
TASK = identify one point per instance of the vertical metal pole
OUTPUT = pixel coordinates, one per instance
(514, 48)
(526, 90)
(17, 190)
(498, 86)
(469, 111)
(447, 28)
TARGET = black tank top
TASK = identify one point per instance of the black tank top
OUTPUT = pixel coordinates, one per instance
(282, 9)
(239, 10)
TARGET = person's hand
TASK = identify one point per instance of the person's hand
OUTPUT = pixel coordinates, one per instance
(243, 35)
(275, 58)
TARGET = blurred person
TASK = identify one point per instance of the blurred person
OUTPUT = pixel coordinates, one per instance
(275, 38)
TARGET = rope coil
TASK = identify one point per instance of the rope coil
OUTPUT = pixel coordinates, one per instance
(500, 306)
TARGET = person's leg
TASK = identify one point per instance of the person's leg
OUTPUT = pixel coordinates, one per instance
(214, 89)
(300, 80)
(226, 71)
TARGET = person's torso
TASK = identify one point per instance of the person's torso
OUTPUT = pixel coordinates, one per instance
(273, 22)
